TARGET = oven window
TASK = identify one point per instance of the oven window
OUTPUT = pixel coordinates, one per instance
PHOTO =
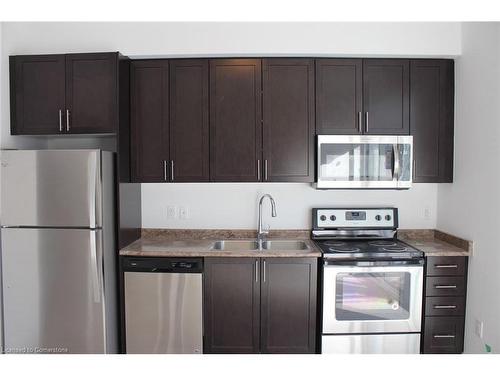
(373, 296)
(356, 162)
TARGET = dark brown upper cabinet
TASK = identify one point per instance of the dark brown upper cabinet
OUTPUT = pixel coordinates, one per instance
(431, 119)
(189, 127)
(64, 94)
(149, 120)
(169, 108)
(91, 93)
(288, 120)
(260, 305)
(37, 89)
(386, 92)
(339, 96)
(235, 120)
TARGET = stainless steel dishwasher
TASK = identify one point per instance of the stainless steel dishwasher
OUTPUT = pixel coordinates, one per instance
(163, 305)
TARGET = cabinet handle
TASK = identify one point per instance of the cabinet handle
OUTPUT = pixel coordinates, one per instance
(366, 122)
(443, 336)
(265, 170)
(172, 170)
(446, 266)
(360, 120)
(445, 286)
(264, 271)
(256, 271)
(165, 172)
(67, 120)
(258, 170)
(445, 306)
(60, 120)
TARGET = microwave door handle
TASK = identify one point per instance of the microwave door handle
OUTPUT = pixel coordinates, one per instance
(397, 162)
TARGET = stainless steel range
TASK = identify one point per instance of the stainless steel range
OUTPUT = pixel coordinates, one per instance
(372, 282)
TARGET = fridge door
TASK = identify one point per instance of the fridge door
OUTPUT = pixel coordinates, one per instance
(51, 188)
(53, 291)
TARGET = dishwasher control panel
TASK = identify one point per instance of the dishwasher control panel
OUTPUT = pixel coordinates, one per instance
(172, 265)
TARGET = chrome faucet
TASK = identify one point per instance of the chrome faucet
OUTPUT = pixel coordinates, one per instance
(261, 232)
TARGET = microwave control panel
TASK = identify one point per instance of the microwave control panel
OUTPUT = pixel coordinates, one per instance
(355, 217)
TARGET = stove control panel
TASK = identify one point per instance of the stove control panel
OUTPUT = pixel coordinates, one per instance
(355, 217)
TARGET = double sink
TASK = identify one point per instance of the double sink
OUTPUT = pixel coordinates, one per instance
(246, 245)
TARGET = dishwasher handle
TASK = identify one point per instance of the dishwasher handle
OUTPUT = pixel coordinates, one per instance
(162, 265)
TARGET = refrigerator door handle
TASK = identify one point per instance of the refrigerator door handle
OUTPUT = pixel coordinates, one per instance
(92, 180)
(96, 274)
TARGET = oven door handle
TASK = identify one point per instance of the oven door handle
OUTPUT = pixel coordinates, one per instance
(374, 264)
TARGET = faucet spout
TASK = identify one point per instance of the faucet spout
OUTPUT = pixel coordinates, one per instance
(261, 232)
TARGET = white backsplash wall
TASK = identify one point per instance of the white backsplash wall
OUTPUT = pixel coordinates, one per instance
(234, 206)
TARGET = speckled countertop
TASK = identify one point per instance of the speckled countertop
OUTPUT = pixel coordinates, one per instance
(436, 243)
(198, 243)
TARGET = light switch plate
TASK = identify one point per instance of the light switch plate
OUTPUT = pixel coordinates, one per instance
(183, 213)
(479, 326)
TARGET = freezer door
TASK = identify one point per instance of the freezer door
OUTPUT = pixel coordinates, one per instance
(51, 188)
(53, 291)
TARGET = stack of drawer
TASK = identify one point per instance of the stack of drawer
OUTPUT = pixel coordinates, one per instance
(444, 304)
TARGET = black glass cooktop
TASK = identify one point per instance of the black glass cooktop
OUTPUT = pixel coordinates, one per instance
(367, 249)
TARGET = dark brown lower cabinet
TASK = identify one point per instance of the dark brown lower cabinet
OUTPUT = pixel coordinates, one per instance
(444, 305)
(260, 305)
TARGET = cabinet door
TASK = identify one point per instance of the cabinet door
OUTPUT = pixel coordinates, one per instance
(91, 93)
(339, 96)
(149, 120)
(235, 119)
(443, 335)
(189, 143)
(288, 129)
(386, 96)
(431, 119)
(37, 94)
(231, 305)
(288, 305)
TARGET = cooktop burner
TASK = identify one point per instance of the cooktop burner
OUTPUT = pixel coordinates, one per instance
(367, 249)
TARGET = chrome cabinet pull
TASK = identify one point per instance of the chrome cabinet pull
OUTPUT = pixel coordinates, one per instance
(366, 122)
(445, 306)
(67, 120)
(446, 266)
(264, 271)
(256, 271)
(60, 120)
(444, 336)
(172, 170)
(265, 169)
(165, 172)
(360, 120)
(258, 170)
(445, 286)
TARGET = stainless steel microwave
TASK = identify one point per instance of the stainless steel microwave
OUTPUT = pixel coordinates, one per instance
(364, 162)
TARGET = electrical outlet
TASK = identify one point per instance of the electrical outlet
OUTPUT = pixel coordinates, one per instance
(171, 212)
(427, 213)
(479, 326)
(183, 213)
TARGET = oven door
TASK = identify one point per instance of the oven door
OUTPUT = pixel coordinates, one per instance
(361, 162)
(372, 298)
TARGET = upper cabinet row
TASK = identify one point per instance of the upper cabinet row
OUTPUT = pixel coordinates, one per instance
(248, 120)
(64, 94)
(222, 120)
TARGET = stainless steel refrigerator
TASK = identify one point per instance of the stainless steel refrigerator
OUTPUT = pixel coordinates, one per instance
(58, 251)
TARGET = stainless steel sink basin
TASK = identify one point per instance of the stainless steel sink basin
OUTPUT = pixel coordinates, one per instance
(245, 245)
(235, 245)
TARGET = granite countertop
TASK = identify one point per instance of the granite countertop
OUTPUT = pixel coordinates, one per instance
(436, 243)
(198, 243)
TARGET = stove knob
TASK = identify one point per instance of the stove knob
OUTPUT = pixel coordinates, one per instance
(333, 218)
(378, 217)
(322, 217)
(387, 217)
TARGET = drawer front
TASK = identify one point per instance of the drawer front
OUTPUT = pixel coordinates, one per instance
(445, 306)
(446, 266)
(443, 335)
(444, 286)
